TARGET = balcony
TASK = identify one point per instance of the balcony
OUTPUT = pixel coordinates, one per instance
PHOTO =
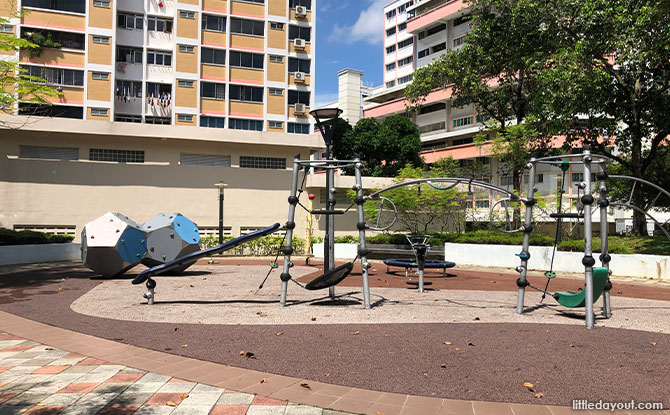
(443, 11)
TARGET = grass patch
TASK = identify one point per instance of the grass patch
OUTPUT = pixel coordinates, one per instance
(658, 245)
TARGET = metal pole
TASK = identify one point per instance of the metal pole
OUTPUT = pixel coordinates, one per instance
(290, 225)
(528, 227)
(329, 240)
(362, 247)
(220, 215)
(588, 261)
(604, 248)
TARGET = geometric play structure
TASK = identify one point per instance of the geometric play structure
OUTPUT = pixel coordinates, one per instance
(421, 247)
(112, 244)
(170, 236)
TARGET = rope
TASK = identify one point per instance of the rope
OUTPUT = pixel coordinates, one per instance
(559, 222)
(272, 265)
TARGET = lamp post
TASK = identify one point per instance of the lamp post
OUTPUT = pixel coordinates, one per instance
(325, 118)
(221, 185)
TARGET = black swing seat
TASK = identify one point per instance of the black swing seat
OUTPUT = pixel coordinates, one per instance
(330, 278)
(194, 256)
(567, 215)
(327, 212)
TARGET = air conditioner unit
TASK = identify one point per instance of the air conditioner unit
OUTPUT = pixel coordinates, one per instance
(300, 11)
(299, 108)
(299, 77)
(299, 43)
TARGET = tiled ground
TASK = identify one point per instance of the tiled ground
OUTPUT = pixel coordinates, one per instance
(36, 379)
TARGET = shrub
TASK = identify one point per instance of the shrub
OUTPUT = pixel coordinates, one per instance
(10, 237)
(346, 239)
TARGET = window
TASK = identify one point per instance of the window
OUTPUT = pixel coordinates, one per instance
(482, 204)
(305, 3)
(299, 32)
(423, 53)
(463, 19)
(66, 40)
(506, 181)
(128, 54)
(158, 120)
(253, 1)
(157, 57)
(114, 155)
(298, 97)
(214, 23)
(390, 84)
(128, 89)
(276, 58)
(128, 118)
(405, 43)
(75, 6)
(432, 127)
(103, 40)
(461, 141)
(6, 28)
(278, 92)
(239, 124)
(436, 29)
(100, 112)
(213, 91)
(185, 83)
(185, 118)
(405, 61)
(439, 47)
(204, 160)
(433, 107)
(459, 41)
(390, 66)
(390, 32)
(212, 122)
(276, 124)
(299, 65)
(402, 26)
(250, 162)
(405, 79)
(247, 27)
(48, 153)
(157, 24)
(186, 49)
(246, 93)
(56, 76)
(158, 90)
(297, 128)
(390, 14)
(186, 14)
(101, 3)
(461, 122)
(276, 25)
(130, 21)
(246, 60)
(100, 76)
(213, 56)
(390, 49)
(579, 177)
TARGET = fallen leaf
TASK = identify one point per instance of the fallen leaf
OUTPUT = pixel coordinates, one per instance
(554, 367)
(48, 348)
(249, 355)
(176, 329)
(279, 333)
(326, 375)
(184, 396)
(60, 288)
(457, 349)
(470, 344)
(191, 285)
(443, 365)
(262, 314)
(184, 345)
(539, 395)
(572, 345)
(306, 386)
(653, 343)
(518, 369)
(170, 403)
(8, 291)
(529, 385)
(493, 282)
(425, 373)
(477, 319)
(448, 343)
(241, 352)
(313, 318)
(177, 286)
(355, 333)
(264, 380)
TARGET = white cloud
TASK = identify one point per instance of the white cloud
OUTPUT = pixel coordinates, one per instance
(369, 27)
(324, 98)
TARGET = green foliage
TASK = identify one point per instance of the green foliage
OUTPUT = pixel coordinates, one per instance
(41, 40)
(28, 88)
(384, 148)
(10, 237)
(487, 237)
(346, 239)
(623, 245)
(264, 246)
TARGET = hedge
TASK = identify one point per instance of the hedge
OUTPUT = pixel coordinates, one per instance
(10, 237)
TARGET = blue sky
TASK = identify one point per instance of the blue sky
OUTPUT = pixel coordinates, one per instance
(349, 34)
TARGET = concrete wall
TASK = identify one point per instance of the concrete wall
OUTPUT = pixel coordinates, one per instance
(31, 254)
(644, 266)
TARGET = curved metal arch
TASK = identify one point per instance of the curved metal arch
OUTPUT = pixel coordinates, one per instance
(456, 181)
(521, 229)
(629, 206)
(563, 157)
(636, 179)
(381, 207)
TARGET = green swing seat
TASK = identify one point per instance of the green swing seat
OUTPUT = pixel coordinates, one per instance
(573, 300)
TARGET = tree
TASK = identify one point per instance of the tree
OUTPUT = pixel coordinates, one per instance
(609, 84)
(496, 69)
(384, 148)
(15, 81)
